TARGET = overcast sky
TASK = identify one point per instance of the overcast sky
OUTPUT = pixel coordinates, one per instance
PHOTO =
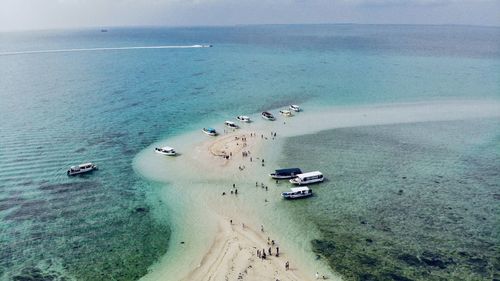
(48, 14)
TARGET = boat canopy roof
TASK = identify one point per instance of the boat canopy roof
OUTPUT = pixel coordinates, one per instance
(210, 129)
(299, 189)
(288, 171)
(167, 148)
(229, 122)
(244, 117)
(310, 174)
(85, 164)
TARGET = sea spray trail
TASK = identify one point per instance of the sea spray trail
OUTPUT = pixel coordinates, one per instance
(102, 49)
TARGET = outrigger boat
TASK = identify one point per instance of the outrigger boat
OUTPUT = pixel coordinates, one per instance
(285, 173)
(166, 150)
(297, 192)
(286, 113)
(230, 124)
(307, 178)
(295, 107)
(267, 115)
(243, 118)
(80, 169)
(210, 131)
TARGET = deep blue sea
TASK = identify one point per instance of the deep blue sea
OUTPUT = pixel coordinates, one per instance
(58, 109)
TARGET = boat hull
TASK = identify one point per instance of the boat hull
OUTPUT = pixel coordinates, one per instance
(166, 153)
(82, 171)
(268, 118)
(294, 181)
(209, 133)
(245, 120)
(281, 177)
(294, 197)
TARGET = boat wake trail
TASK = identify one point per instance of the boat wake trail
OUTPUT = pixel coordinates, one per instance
(102, 49)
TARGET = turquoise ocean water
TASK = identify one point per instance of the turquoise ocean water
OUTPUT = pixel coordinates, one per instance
(406, 205)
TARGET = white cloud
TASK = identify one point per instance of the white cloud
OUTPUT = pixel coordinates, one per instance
(34, 14)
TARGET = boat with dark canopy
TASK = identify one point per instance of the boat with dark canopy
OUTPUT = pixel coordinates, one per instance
(285, 173)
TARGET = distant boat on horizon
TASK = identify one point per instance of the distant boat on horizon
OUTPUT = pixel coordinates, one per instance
(104, 30)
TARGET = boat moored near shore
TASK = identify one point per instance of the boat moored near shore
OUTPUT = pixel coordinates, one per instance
(230, 124)
(308, 178)
(268, 116)
(297, 192)
(294, 107)
(81, 169)
(166, 150)
(243, 118)
(210, 131)
(285, 173)
(286, 113)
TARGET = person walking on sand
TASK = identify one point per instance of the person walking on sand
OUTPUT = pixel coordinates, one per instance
(262, 228)
(287, 265)
(317, 275)
(277, 251)
(269, 250)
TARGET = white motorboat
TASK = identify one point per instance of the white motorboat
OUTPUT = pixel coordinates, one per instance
(297, 192)
(230, 124)
(80, 169)
(295, 107)
(210, 131)
(243, 118)
(166, 150)
(268, 116)
(308, 178)
(285, 173)
(286, 113)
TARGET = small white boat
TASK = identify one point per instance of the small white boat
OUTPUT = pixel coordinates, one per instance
(267, 115)
(80, 169)
(297, 192)
(243, 118)
(166, 150)
(230, 124)
(286, 113)
(285, 173)
(210, 131)
(308, 178)
(295, 107)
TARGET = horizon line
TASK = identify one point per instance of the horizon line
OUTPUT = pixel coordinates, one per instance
(232, 25)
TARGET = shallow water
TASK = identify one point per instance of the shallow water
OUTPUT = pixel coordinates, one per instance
(61, 109)
(405, 202)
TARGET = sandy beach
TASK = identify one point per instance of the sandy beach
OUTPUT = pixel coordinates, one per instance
(219, 231)
(231, 251)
